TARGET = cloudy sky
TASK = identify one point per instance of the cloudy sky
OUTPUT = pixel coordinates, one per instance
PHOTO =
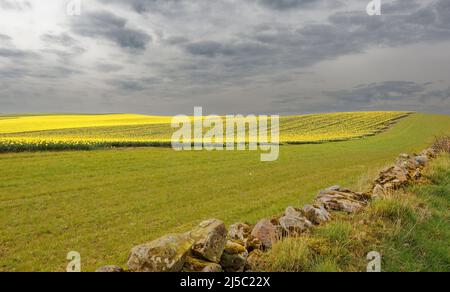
(229, 56)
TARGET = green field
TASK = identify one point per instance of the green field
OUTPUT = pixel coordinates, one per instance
(101, 203)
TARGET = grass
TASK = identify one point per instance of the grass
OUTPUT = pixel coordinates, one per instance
(409, 229)
(102, 203)
(85, 132)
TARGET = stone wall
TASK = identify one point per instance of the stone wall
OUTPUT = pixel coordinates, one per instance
(211, 247)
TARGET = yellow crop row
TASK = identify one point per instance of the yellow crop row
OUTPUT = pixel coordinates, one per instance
(54, 132)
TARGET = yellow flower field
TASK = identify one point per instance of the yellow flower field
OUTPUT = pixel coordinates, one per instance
(83, 132)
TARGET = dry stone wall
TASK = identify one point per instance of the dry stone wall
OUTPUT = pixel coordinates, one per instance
(210, 247)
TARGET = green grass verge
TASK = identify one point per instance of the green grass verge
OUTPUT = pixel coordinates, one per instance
(102, 203)
(411, 230)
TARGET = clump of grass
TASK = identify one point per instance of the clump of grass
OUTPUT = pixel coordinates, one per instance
(439, 172)
(327, 265)
(442, 144)
(289, 255)
(337, 232)
(393, 209)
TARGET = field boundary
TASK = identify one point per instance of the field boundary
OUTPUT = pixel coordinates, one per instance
(211, 248)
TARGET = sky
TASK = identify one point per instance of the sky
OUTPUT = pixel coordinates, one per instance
(165, 57)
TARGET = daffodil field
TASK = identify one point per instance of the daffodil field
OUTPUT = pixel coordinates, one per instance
(85, 132)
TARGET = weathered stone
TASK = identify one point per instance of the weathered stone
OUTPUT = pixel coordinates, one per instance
(197, 265)
(342, 199)
(408, 165)
(266, 232)
(336, 188)
(240, 232)
(422, 159)
(317, 214)
(109, 269)
(166, 254)
(405, 156)
(234, 257)
(378, 192)
(340, 204)
(209, 238)
(253, 263)
(396, 175)
(253, 243)
(293, 212)
(389, 188)
(416, 175)
(294, 226)
(430, 153)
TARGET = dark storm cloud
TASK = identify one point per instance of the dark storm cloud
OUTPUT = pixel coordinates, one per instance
(442, 95)
(133, 84)
(179, 40)
(270, 46)
(215, 49)
(63, 39)
(287, 4)
(108, 68)
(111, 27)
(126, 85)
(169, 6)
(12, 53)
(443, 13)
(385, 91)
(160, 6)
(232, 52)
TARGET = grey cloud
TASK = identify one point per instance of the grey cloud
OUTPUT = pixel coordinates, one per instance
(443, 13)
(40, 72)
(12, 53)
(54, 72)
(65, 54)
(442, 95)
(127, 85)
(15, 5)
(12, 73)
(230, 49)
(287, 4)
(272, 46)
(63, 39)
(111, 27)
(62, 45)
(5, 37)
(234, 54)
(385, 91)
(177, 40)
(132, 84)
(160, 6)
(107, 68)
